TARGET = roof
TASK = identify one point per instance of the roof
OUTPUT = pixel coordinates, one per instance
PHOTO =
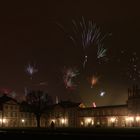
(103, 107)
(5, 98)
(66, 104)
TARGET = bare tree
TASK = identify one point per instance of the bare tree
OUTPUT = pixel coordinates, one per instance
(38, 101)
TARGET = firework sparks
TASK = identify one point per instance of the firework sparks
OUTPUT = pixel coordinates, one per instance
(94, 104)
(87, 34)
(31, 70)
(94, 80)
(85, 60)
(101, 51)
(68, 77)
(102, 93)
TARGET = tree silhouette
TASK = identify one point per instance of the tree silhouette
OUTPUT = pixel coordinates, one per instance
(38, 101)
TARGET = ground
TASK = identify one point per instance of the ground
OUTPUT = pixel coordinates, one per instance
(71, 133)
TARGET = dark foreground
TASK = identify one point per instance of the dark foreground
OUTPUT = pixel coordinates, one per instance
(72, 133)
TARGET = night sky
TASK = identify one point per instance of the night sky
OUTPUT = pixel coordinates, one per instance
(29, 34)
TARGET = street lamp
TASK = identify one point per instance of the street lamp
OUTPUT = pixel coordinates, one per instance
(22, 121)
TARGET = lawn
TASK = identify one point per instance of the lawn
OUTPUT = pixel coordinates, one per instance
(72, 132)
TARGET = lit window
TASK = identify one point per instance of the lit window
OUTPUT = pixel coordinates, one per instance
(82, 123)
(113, 119)
(137, 118)
(63, 121)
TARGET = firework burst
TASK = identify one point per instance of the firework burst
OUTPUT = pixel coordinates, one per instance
(102, 93)
(93, 80)
(88, 34)
(30, 69)
(69, 74)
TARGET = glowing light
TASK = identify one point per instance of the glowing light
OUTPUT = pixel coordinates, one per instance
(3, 120)
(92, 122)
(94, 104)
(137, 118)
(113, 119)
(53, 120)
(63, 121)
(127, 118)
(22, 120)
(102, 93)
(82, 105)
(88, 120)
(82, 123)
(131, 118)
(94, 81)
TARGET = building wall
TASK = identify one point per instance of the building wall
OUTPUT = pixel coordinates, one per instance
(103, 116)
(127, 115)
(12, 116)
(69, 117)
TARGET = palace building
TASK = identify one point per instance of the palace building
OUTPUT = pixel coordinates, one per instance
(70, 114)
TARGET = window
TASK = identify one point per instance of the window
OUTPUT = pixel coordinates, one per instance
(15, 107)
(11, 108)
(115, 112)
(6, 106)
(14, 114)
(109, 112)
(6, 114)
(21, 114)
(97, 113)
(30, 115)
(103, 112)
(11, 114)
(27, 115)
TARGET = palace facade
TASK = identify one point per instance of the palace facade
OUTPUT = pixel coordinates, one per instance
(69, 114)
